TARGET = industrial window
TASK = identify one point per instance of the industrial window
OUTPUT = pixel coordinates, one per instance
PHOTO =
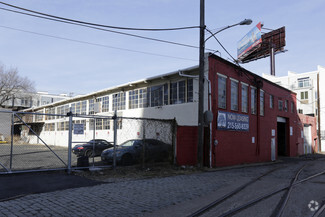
(50, 111)
(271, 101)
(158, 95)
(165, 94)
(133, 99)
(105, 104)
(244, 98)
(234, 95)
(173, 93)
(190, 90)
(73, 108)
(280, 105)
(286, 105)
(181, 91)
(222, 92)
(49, 127)
(292, 107)
(39, 117)
(99, 124)
(303, 82)
(84, 107)
(58, 109)
(143, 98)
(66, 109)
(78, 107)
(98, 105)
(119, 101)
(106, 124)
(177, 92)
(62, 110)
(253, 100)
(60, 126)
(91, 107)
(261, 102)
(66, 125)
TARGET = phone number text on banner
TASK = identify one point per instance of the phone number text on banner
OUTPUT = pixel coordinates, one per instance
(233, 121)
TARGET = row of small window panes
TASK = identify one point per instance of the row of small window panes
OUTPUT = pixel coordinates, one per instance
(234, 102)
(284, 107)
(180, 92)
(103, 124)
(62, 126)
(49, 127)
(138, 98)
(39, 117)
(118, 101)
(50, 111)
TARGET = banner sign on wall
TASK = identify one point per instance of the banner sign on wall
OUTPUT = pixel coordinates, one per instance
(232, 121)
(78, 129)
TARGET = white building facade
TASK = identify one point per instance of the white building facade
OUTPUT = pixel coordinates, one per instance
(169, 96)
(310, 90)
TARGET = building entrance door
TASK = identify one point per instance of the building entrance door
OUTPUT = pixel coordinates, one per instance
(282, 136)
(307, 139)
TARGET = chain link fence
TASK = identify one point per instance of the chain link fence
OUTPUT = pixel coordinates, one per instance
(36, 141)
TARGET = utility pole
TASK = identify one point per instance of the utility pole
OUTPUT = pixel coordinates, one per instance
(201, 88)
(318, 120)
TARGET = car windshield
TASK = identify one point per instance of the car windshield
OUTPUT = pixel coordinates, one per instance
(130, 143)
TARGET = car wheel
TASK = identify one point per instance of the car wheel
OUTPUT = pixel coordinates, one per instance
(126, 160)
(89, 153)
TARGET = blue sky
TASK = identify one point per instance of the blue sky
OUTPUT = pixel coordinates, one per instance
(62, 66)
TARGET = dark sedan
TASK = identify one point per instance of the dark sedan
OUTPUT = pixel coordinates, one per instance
(88, 148)
(132, 151)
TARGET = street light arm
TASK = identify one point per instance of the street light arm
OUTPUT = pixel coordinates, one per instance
(244, 22)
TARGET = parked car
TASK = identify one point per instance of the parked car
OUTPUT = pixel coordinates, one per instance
(131, 151)
(87, 149)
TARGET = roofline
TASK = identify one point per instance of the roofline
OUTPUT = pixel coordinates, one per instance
(122, 86)
(251, 73)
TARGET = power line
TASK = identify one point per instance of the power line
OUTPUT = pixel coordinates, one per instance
(107, 30)
(99, 25)
(95, 44)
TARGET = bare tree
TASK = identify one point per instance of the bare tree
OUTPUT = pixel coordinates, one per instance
(12, 86)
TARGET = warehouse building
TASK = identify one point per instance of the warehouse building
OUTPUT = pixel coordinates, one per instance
(254, 120)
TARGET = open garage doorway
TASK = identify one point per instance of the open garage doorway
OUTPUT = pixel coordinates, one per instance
(282, 138)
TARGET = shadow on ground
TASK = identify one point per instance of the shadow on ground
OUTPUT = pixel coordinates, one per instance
(17, 185)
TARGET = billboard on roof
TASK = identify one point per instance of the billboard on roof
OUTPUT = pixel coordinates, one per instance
(250, 42)
(274, 39)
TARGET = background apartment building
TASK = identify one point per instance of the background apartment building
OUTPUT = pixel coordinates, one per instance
(310, 90)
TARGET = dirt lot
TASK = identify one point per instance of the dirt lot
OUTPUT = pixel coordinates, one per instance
(124, 173)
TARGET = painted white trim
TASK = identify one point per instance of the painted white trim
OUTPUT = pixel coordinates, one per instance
(221, 75)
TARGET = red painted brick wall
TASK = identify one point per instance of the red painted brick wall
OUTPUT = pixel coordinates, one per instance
(186, 150)
(236, 147)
